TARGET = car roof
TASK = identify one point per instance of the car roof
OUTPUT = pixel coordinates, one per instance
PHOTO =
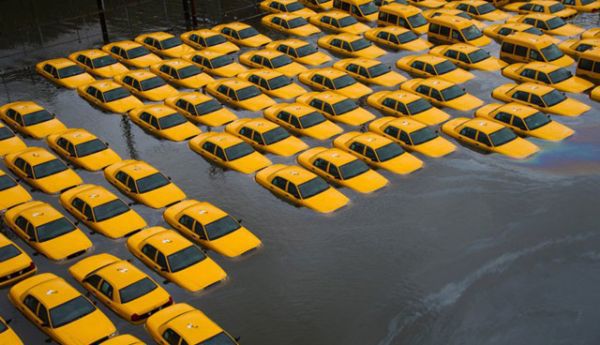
(176, 63)
(295, 174)
(77, 135)
(234, 83)
(194, 97)
(402, 96)
(105, 85)
(39, 213)
(453, 20)
(53, 292)
(298, 109)
(36, 155)
(94, 195)
(526, 37)
(121, 273)
(127, 44)
(337, 14)
(140, 74)
(204, 212)
(223, 139)
(465, 48)
(537, 89)
(436, 83)
(392, 29)
(91, 53)
(433, 59)
(157, 110)
(329, 96)
(292, 42)
(168, 241)
(329, 72)
(60, 62)
(263, 73)
(260, 124)
(406, 124)
(346, 37)
(25, 107)
(194, 326)
(517, 109)
(399, 8)
(484, 125)
(372, 140)
(542, 66)
(336, 156)
(159, 35)
(138, 169)
(204, 33)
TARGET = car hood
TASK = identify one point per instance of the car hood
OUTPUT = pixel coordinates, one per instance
(403, 164)
(77, 80)
(289, 91)
(86, 330)
(315, 59)
(45, 128)
(61, 247)
(457, 76)
(250, 163)
(235, 243)
(15, 264)
(355, 117)
(287, 147)
(163, 196)
(292, 69)
(437, 147)
(181, 132)
(355, 91)
(574, 84)
(552, 131)
(217, 118)
(431, 116)
(99, 160)
(569, 107)
(257, 103)
(111, 70)
(201, 275)
(518, 148)
(122, 225)
(230, 70)
(326, 201)
(58, 182)
(13, 196)
(389, 79)
(125, 104)
(160, 93)
(324, 130)
(490, 64)
(465, 102)
(367, 182)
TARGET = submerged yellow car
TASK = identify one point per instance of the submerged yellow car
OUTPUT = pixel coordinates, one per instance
(402, 103)
(123, 339)
(272, 59)
(9, 142)
(290, 24)
(370, 71)
(341, 168)
(142, 182)
(209, 40)
(60, 311)
(575, 47)
(469, 57)
(525, 121)
(548, 23)
(412, 135)
(187, 325)
(98, 62)
(300, 51)
(131, 53)
(489, 136)
(266, 136)
(164, 44)
(350, 45)
(541, 97)
(216, 63)
(337, 107)
(63, 72)
(229, 151)
(499, 31)
(11, 193)
(398, 38)
(240, 94)
(335, 80)
(273, 83)
(591, 33)
(109, 95)
(427, 3)
(541, 6)
(7, 335)
(301, 119)
(211, 227)
(286, 6)
(301, 187)
(338, 21)
(242, 34)
(582, 5)
(318, 5)
(547, 74)
(146, 84)
(181, 73)
(47, 231)
(164, 122)
(407, 16)
(479, 9)
(442, 93)
(102, 211)
(30, 119)
(200, 108)
(14, 266)
(453, 12)
(175, 258)
(42, 170)
(83, 149)
(433, 66)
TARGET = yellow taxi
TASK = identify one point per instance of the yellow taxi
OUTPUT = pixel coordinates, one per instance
(11, 193)
(412, 135)
(181, 73)
(201, 109)
(427, 3)
(453, 29)
(398, 38)
(301, 187)
(318, 5)
(229, 151)
(184, 324)
(547, 74)
(541, 6)
(541, 97)
(102, 211)
(350, 45)
(164, 44)
(273, 83)
(588, 65)
(286, 6)
(98, 63)
(453, 12)
(175, 258)
(266, 136)
(525, 121)
(60, 311)
(338, 21)
(433, 66)
(123, 339)
(489, 136)
(548, 23)
(469, 57)
(121, 286)
(524, 47)
(591, 33)
(442, 93)
(300, 51)
(131, 53)
(290, 24)
(479, 9)
(240, 94)
(211, 227)
(499, 31)
(164, 122)
(209, 39)
(9, 142)
(47, 231)
(109, 95)
(143, 183)
(301, 119)
(595, 94)
(216, 63)
(378, 151)
(341, 168)
(146, 84)
(30, 119)
(7, 335)
(42, 170)
(575, 47)
(272, 59)
(364, 10)
(335, 80)
(583, 5)
(63, 72)
(242, 34)
(15, 265)
(404, 15)
(337, 107)
(83, 149)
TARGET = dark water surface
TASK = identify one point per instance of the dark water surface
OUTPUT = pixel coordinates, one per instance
(472, 249)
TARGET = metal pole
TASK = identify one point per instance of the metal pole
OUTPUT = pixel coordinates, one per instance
(194, 16)
(102, 18)
(186, 15)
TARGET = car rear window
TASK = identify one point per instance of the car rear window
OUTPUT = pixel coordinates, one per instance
(185, 258)
(115, 94)
(238, 151)
(8, 252)
(70, 311)
(313, 187)
(6, 182)
(208, 107)
(70, 71)
(172, 120)
(136, 290)
(110, 209)
(54, 229)
(152, 182)
(221, 227)
(152, 83)
(37, 117)
(90, 147)
(104, 61)
(49, 168)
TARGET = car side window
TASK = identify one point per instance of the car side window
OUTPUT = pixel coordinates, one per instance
(422, 89)
(504, 31)
(231, 94)
(453, 54)
(317, 78)
(87, 212)
(93, 280)
(504, 117)
(336, 42)
(128, 80)
(31, 303)
(170, 336)
(247, 132)
(264, 84)
(29, 171)
(346, 46)
(279, 182)
(145, 117)
(357, 147)
(20, 163)
(208, 146)
(21, 222)
(508, 47)
(436, 94)
(389, 102)
(521, 95)
(295, 122)
(468, 132)
(220, 153)
(161, 260)
(483, 138)
(149, 251)
(293, 190)
(258, 138)
(420, 65)
(42, 313)
(537, 100)
(62, 143)
(321, 164)
(131, 185)
(328, 109)
(199, 230)
(543, 77)
(352, 68)
(520, 50)
(333, 171)
(464, 58)
(517, 122)
(434, 28)
(121, 177)
(106, 289)
(284, 115)
(528, 73)
(444, 31)
(316, 103)
(78, 204)
(370, 153)
(154, 122)
(391, 131)
(405, 138)
(457, 36)
(429, 69)
(187, 221)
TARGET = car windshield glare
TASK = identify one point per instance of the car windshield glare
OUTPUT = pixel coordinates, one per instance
(471, 33)
(368, 8)
(53, 229)
(559, 75)
(115, 94)
(170, 42)
(221, 61)
(486, 8)
(479, 55)
(537, 120)
(8, 252)
(353, 169)
(312, 119)
(502, 136)
(103, 61)
(406, 37)
(90, 147)
(444, 67)
(137, 52)
(152, 83)
(248, 92)
(553, 97)
(347, 21)
(6, 133)
(70, 311)
(452, 92)
(188, 71)
(389, 151)
(534, 31)
(312, 187)
(306, 50)
(219, 339)
(417, 20)
(423, 135)
(185, 258)
(552, 52)
(238, 151)
(49, 168)
(152, 182)
(275, 135)
(70, 71)
(6, 182)
(378, 70)
(279, 82)
(280, 61)
(555, 22)
(344, 106)
(221, 227)
(208, 107)
(110, 209)
(418, 106)
(136, 290)
(343, 81)
(248, 32)
(37, 117)
(296, 22)
(214, 40)
(172, 120)
(556, 8)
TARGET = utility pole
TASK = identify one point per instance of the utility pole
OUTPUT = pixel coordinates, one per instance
(187, 15)
(102, 19)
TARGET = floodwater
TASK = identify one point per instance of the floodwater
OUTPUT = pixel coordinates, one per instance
(472, 249)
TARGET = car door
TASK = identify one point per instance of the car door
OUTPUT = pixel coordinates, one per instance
(468, 135)
(30, 308)
(279, 185)
(121, 181)
(76, 207)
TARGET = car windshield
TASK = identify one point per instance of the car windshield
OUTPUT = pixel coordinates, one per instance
(537, 120)
(137, 52)
(172, 120)
(70, 311)
(552, 52)
(208, 107)
(502, 136)
(221, 61)
(37, 117)
(294, 6)
(279, 82)
(389, 151)
(352, 169)
(560, 75)
(6, 182)
(275, 135)
(555, 22)
(406, 37)
(486, 8)
(311, 119)
(313, 187)
(417, 20)
(534, 31)
(170, 42)
(368, 8)
(115, 94)
(53, 229)
(152, 83)
(305, 50)
(343, 81)
(110, 210)
(587, 2)
(418, 106)
(452, 92)
(137, 290)
(219, 339)
(478, 55)
(347, 21)
(553, 97)
(445, 67)
(344, 106)
(471, 33)
(423, 135)
(70, 71)
(248, 92)
(8, 252)
(377, 70)
(248, 32)
(152, 182)
(49, 168)
(296, 22)
(188, 71)
(556, 7)
(281, 60)
(221, 227)
(6, 133)
(185, 258)
(90, 147)
(238, 151)
(103, 61)
(214, 40)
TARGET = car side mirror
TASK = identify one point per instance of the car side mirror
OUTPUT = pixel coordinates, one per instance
(238, 338)
(240, 221)
(8, 321)
(130, 204)
(169, 178)
(45, 324)
(107, 144)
